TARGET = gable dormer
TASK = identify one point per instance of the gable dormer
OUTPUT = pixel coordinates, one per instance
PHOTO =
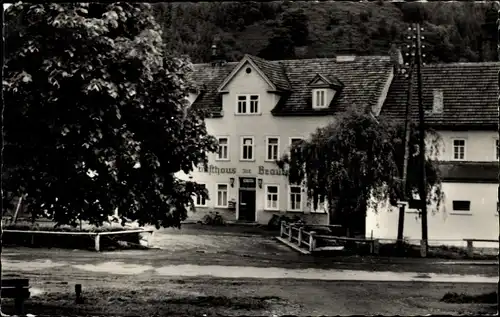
(324, 90)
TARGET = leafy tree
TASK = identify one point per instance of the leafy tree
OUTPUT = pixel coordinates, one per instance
(296, 22)
(96, 117)
(280, 46)
(355, 159)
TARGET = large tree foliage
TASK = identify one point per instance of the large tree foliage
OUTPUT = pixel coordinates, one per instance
(95, 115)
(290, 31)
(356, 161)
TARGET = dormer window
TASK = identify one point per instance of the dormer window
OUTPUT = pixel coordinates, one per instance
(324, 90)
(319, 98)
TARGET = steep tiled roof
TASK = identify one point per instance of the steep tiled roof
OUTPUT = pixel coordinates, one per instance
(207, 78)
(470, 94)
(274, 71)
(363, 79)
(469, 172)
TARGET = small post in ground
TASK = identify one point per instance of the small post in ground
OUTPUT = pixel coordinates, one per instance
(19, 300)
(299, 242)
(423, 248)
(470, 249)
(78, 292)
(282, 228)
(290, 232)
(376, 247)
(312, 241)
(97, 242)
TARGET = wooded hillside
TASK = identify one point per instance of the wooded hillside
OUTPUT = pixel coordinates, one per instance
(454, 31)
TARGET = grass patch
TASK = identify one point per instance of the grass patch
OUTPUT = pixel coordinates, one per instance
(456, 298)
(223, 301)
(142, 302)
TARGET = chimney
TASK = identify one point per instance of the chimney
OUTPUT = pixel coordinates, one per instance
(437, 102)
(214, 51)
(345, 58)
(396, 58)
(217, 59)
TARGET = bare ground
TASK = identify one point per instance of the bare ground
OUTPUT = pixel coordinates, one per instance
(146, 294)
(136, 296)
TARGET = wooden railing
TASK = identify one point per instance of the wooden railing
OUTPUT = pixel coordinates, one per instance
(470, 245)
(95, 235)
(295, 233)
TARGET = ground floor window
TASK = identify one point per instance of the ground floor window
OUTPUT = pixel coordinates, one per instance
(199, 200)
(222, 195)
(322, 206)
(294, 198)
(272, 194)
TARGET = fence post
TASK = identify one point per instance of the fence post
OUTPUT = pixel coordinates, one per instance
(290, 232)
(299, 242)
(376, 247)
(312, 241)
(19, 301)
(282, 228)
(470, 249)
(423, 248)
(78, 293)
(97, 242)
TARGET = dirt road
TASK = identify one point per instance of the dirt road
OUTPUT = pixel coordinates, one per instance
(141, 296)
(251, 275)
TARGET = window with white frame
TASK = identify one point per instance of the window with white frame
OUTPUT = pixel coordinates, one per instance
(200, 201)
(295, 140)
(248, 104)
(295, 198)
(272, 195)
(222, 190)
(319, 98)
(223, 150)
(459, 149)
(321, 207)
(247, 148)
(272, 148)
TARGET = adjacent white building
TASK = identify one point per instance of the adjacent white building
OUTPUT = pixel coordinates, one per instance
(461, 104)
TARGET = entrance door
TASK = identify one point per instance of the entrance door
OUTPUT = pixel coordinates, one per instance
(246, 210)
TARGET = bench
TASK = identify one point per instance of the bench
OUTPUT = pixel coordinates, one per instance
(17, 289)
(470, 245)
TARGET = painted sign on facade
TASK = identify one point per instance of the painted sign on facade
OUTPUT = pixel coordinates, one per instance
(261, 170)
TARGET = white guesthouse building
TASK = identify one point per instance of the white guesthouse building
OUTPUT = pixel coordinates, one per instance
(461, 104)
(258, 109)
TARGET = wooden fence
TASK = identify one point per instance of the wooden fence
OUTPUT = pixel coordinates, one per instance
(95, 235)
(295, 233)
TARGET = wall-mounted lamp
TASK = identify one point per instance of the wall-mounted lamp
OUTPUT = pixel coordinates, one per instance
(260, 182)
(231, 181)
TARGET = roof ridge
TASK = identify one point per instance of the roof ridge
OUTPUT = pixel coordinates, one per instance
(464, 64)
(210, 64)
(260, 59)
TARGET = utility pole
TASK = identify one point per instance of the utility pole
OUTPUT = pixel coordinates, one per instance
(423, 180)
(409, 76)
(498, 192)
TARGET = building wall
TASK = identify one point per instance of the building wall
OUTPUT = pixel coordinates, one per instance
(260, 126)
(480, 145)
(444, 226)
